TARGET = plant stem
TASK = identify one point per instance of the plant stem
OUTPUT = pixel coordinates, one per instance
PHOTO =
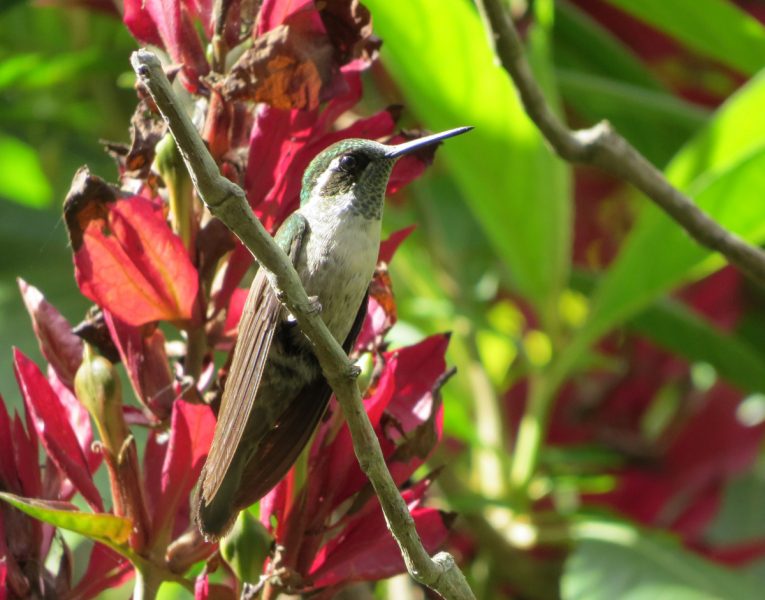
(531, 434)
(147, 582)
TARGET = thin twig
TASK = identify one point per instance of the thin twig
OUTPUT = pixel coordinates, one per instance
(219, 44)
(227, 202)
(603, 147)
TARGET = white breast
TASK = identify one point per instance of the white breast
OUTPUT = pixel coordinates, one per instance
(337, 263)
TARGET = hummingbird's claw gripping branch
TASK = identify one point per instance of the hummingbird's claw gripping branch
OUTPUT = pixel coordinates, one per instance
(603, 147)
(315, 304)
(227, 202)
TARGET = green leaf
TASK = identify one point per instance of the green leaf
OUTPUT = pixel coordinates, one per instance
(104, 528)
(741, 518)
(618, 562)
(676, 328)
(723, 170)
(654, 121)
(582, 44)
(21, 176)
(438, 52)
(716, 28)
(736, 130)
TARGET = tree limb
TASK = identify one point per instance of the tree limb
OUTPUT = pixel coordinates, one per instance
(227, 202)
(603, 147)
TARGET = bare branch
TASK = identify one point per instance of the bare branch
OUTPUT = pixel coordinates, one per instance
(603, 147)
(227, 202)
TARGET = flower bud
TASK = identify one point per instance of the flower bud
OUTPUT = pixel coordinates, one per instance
(99, 389)
(247, 547)
(180, 189)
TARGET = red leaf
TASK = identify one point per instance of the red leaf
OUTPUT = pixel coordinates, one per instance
(79, 419)
(238, 264)
(417, 370)
(377, 322)
(738, 555)
(683, 490)
(720, 297)
(60, 347)
(366, 551)
(335, 474)
(191, 433)
(168, 24)
(388, 247)
(29, 476)
(27, 459)
(275, 12)
(8, 474)
(146, 363)
(381, 312)
(106, 569)
(277, 136)
(272, 504)
(52, 424)
(234, 314)
(153, 460)
(126, 258)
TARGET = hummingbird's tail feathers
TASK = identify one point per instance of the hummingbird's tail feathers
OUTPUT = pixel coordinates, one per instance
(283, 444)
(216, 516)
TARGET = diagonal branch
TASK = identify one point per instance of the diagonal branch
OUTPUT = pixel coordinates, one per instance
(227, 202)
(603, 147)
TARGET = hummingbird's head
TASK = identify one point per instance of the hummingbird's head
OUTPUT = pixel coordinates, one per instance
(353, 174)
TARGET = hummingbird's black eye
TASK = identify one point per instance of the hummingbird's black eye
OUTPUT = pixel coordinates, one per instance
(348, 163)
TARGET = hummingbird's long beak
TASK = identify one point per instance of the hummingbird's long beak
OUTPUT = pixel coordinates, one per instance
(401, 149)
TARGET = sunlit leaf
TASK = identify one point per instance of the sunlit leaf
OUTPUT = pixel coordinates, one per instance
(583, 45)
(101, 527)
(716, 28)
(438, 53)
(21, 176)
(126, 257)
(617, 562)
(654, 121)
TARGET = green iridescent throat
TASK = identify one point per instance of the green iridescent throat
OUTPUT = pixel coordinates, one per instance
(367, 186)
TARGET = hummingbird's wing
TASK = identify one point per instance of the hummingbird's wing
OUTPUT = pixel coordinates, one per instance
(256, 332)
(286, 440)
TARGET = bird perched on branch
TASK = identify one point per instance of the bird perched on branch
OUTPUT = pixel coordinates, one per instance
(276, 393)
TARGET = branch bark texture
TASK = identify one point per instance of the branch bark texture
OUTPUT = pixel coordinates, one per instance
(227, 202)
(601, 146)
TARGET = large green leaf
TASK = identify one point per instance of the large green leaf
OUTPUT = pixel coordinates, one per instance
(438, 52)
(105, 528)
(741, 518)
(21, 176)
(582, 44)
(618, 562)
(723, 169)
(716, 28)
(654, 121)
(601, 78)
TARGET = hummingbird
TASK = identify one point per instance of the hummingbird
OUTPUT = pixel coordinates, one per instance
(276, 394)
